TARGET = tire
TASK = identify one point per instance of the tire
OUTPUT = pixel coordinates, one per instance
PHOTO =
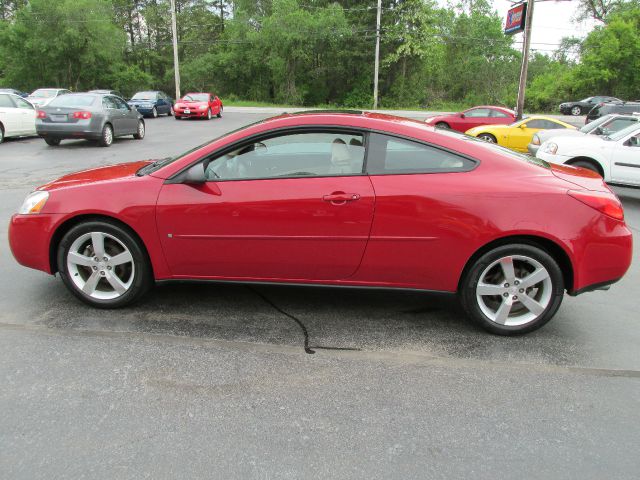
(101, 283)
(170, 113)
(576, 110)
(1, 133)
(487, 137)
(487, 275)
(443, 125)
(52, 142)
(219, 115)
(209, 115)
(106, 138)
(588, 165)
(154, 112)
(139, 135)
(177, 117)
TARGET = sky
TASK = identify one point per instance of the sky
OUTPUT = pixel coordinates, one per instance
(552, 20)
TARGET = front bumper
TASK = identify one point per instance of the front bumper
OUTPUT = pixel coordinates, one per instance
(30, 238)
(191, 114)
(143, 110)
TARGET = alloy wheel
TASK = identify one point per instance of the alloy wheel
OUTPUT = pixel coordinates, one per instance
(576, 110)
(141, 130)
(487, 138)
(514, 290)
(100, 266)
(154, 112)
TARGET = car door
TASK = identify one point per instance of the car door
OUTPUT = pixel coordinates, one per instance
(27, 116)
(114, 115)
(128, 118)
(625, 160)
(292, 205)
(475, 117)
(10, 116)
(520, 136)
(163, 104)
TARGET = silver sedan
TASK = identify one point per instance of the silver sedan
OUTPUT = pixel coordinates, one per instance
(92, 116)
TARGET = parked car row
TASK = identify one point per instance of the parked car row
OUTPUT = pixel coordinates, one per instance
(56, 114)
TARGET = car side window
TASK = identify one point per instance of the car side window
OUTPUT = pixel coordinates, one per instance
(499, 114)
(477, 112)
(310, 154)
(544, 124)
(23, 104)
(633, 141)
(390, 155)
(5, 102)
(108, 102)
(120, 104)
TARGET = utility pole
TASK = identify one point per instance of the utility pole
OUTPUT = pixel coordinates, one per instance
(377, 64)
(176, 63)
(525, 59)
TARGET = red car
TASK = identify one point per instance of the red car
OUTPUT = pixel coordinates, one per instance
(474, 117)
(198, 105)
(341, 199)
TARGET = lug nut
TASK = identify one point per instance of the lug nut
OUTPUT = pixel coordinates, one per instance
(102, 272)
(95, 268)
(505, 294)
(516, 282)
(95, 259)
(521, 290)
(506, 285)
(108, 267)
(105, 259)
(515, 297)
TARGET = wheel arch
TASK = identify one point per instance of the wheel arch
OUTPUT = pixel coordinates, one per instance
(68, 224)
(554, 249)
(584, 158)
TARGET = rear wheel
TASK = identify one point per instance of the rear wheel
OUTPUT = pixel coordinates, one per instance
(52, 142)
(575, 111)
(512, 289)
(106, 139)
(103, 264)
(442, 125)
(1, 133)
(487, 137)
(139, 135)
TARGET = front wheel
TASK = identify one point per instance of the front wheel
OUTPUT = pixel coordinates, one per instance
(1, 133)
(512, 289)
(588, 165)
(575, 111)
(139, 135)
(209, 114)
(170, 113)
(219, 115)
(443, 125)
(154, 112)
(487, 137)
(103, 264)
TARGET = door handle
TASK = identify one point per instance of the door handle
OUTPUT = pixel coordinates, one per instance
(340, 198)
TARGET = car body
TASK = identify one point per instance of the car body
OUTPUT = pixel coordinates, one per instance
(43, 96)
(291, 200)
(615, 157)
(14, 91)
(517, 135)
(198, 105)
(17, 116)
(91, 116)
(108, 92)
(474, 117)
(580, 107)
(613, 107)
(152, 103)
(605, 125)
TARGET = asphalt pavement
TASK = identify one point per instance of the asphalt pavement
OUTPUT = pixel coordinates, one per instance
(214, 381)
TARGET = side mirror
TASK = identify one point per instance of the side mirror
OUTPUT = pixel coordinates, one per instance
(523, 126)
(195, 174)
(462, 115)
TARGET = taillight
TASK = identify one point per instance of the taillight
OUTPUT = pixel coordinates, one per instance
(606, 203)
(42, 114)
(82, 115)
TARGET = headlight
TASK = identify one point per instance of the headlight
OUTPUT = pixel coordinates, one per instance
(34, 202)
(535, 140)
(551, 148)
(204, 107)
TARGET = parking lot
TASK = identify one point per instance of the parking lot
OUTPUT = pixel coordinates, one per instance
(231, 381)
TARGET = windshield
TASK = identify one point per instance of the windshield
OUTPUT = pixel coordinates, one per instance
(590, 127)
(518, 122)
(73, 101)
(623, 133)
(144, 96)
(196, 97)
(43, 93)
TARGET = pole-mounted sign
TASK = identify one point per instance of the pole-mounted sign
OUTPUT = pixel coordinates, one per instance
(516, 19)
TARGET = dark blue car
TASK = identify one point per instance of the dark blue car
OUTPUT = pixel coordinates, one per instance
(152, 103)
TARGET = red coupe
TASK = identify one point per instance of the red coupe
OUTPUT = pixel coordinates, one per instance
(474, 117)
(198, 105)
(342, 199)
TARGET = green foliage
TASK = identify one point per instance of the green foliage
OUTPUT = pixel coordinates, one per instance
(312, 52)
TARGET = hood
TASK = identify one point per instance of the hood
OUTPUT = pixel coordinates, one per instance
(579, 176)
(102, 174)
(569, 142)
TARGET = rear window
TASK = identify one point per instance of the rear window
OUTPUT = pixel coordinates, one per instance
(44, 93)
(144, 96)
(73, 101)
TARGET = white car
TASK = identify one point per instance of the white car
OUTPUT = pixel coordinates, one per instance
(615, 157)
(43, 96)
(17, 116)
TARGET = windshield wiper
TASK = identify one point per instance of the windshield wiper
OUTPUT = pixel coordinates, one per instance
(152, 167)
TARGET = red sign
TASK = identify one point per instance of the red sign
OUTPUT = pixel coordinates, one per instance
(516, 19)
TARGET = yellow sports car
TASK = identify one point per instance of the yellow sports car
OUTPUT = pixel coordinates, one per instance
(517, 135)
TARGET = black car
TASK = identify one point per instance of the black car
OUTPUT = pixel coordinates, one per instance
(583, 106)
(614, 107)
